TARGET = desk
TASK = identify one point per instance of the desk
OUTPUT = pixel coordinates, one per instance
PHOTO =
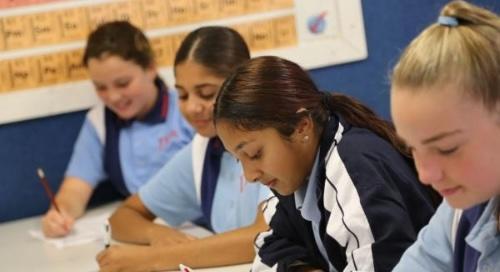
(21, 253)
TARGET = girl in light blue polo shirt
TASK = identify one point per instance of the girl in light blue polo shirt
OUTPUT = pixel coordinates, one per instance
(128, 138)
(445, 103)
(202, 183)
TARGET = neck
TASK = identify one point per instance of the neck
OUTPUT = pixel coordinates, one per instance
(154, 95)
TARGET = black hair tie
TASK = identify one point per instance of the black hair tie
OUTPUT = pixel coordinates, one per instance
(326, 101)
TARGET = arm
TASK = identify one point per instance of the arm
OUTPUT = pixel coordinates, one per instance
(168, 195)
(132, 222)
(233, 247)
(281, 248)
(72, 198)
(85, 170)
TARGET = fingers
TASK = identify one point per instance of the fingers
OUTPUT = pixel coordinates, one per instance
(55, 224)
(101, 257)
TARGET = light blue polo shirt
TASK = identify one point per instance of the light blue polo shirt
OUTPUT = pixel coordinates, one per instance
(171, 194)
(143, 147)
(306, 201)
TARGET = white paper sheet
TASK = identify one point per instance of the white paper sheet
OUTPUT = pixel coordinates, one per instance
(85, 230)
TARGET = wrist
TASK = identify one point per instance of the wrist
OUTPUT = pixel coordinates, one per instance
(162, 258)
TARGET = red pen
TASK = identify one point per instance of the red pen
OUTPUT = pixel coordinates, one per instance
(49, 192)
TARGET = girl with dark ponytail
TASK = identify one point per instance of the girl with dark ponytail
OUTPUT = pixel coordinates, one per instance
(346, 194)
(201, 184)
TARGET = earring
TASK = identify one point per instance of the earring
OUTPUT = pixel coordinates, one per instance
(306, 138)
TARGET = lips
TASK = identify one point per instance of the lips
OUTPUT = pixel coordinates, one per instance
(270, 183)
(201, 122)
(122, 105)
(449, 191)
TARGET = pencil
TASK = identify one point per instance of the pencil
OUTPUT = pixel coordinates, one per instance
(49, 192)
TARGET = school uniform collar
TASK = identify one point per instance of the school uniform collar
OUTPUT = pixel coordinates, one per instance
(306, 198)
(158, 114)
(485, 229)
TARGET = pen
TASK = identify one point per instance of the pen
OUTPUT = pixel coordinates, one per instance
(184, 268)
(107, 234)
(45, 184)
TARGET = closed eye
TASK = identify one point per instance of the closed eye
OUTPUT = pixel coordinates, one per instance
(207, 96)
(449, 151)
(122, 84)
(100, 88)
(257, 155)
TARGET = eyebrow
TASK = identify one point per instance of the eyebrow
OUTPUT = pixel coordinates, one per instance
(197, 87)
(441, 136)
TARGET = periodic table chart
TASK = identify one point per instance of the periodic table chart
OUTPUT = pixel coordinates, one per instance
(42, 41)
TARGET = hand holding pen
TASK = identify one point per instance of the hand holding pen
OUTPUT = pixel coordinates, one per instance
(56, 222)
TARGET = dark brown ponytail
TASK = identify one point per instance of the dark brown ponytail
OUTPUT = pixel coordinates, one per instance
(360, 115)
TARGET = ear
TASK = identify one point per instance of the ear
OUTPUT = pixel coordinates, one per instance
(304, 129)
(152, 70)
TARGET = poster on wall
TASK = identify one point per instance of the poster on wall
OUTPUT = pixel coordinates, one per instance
(41, 42)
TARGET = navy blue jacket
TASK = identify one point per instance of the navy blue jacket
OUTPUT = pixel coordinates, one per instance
(371, 204)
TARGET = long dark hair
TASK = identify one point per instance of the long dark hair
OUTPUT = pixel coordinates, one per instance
(268, 92)
(218, 48)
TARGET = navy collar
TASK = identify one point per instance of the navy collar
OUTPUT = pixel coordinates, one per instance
(158, 114)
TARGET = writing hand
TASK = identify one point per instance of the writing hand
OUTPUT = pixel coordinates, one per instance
(57, 224)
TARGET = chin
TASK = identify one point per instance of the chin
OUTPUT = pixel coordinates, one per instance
(125, 114)
(283, 192)
(462, 204)
(209, 133)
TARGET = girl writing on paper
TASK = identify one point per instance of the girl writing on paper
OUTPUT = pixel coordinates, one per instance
(202, 183)
(347, 196)
(128, 138)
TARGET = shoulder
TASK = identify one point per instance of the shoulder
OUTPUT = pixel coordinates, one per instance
(96, 113)
(94, 123)
(365, 157)
(360, 141)
(360, 146)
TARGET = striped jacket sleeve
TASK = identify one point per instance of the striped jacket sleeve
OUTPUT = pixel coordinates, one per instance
(366, 212)
(280, 248)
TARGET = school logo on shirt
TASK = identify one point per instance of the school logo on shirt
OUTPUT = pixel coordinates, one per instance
(167, 139)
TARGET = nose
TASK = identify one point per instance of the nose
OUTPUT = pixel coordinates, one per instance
(429, 170)
(113, 95)
(194, 106)
(251, 172)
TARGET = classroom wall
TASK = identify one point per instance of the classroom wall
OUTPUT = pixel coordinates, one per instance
(47, 142)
